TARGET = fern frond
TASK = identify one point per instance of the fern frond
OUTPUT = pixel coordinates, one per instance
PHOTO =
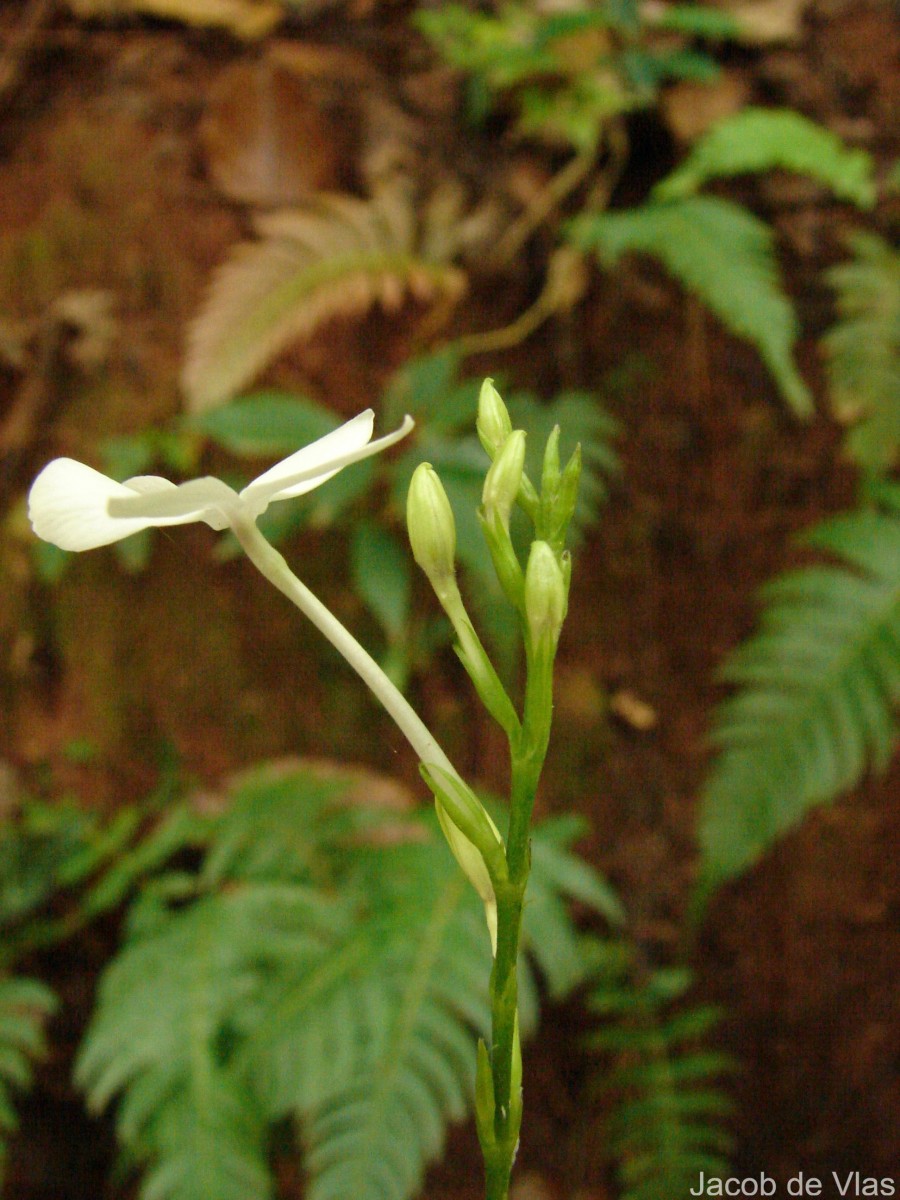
(337, 974)
(667, 1121)
(207, 1144)
(339, 259)
(722, 253)
(374, 1139)
(84, 865)
(25, 1005)
(863, 350)
(818, 687)
(170, 1007)
(37, 851)
(764, 139)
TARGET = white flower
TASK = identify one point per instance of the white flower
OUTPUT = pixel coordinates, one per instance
(77, 508)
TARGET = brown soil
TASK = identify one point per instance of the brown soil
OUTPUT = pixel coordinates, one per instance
(804, 952)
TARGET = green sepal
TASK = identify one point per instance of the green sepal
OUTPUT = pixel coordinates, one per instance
(550, 475)
(484, 1097)
(565, 500)
(472, 836)
(546, 597)
(486, 681)
(504, 478)
(431, 527)
(504, 557)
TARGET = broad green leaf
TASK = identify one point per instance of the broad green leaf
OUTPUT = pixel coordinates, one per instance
(265, 423)
(381, 576)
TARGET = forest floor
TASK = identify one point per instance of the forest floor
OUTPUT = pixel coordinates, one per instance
(116, 145)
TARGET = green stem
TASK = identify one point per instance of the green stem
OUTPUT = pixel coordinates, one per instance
(270, 563)
(528, 746)
(562, 183)
(527, 754)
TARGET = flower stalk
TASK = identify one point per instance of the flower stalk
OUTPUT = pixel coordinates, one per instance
(76, 508)
(539, 596)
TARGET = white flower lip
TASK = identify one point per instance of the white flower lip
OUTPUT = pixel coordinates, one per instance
(77, 508)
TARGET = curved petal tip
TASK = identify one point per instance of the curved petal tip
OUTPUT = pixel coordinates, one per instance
(67, 506)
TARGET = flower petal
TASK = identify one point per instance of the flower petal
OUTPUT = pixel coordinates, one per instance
(68, 502)
(347, 438)
(206, 499)
(319, 461)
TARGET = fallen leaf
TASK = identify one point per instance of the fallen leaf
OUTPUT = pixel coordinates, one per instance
(249, 20)
(764, 22)
(267, 137)
(634, 711)
(690, 109)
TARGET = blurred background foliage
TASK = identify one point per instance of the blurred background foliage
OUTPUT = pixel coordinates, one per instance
(669, 228)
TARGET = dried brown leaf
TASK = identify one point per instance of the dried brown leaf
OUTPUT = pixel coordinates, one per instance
(246, 19)
(338, 259)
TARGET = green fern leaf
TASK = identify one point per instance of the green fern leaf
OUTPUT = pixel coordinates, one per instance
(695, 20)
(337, 260)
(25, 1005)
(863, 351)
(819, 684)
(207, 1144)
(725, 255)
(667, 1123)
(170, 1007)
(764, 139)
(333, 970)
(374, 1140)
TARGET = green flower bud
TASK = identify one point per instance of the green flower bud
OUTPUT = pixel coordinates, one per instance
(432, 529)
(501, 485)
(545, 595)
(550, 473)
(566, 497)
(493, 424)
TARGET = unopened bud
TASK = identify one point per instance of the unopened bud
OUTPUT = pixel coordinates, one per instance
(493, 424)
(501, 485)
(566, 498)
(550, 473)
(432, 529)
(545, 594)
